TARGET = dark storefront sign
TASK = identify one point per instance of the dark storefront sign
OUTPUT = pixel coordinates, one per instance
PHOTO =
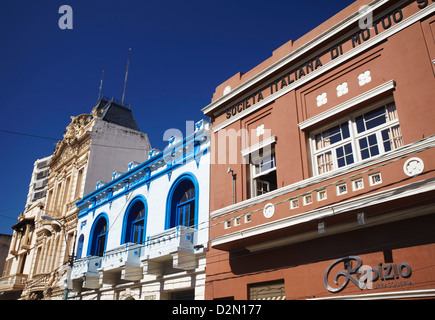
(384, 275)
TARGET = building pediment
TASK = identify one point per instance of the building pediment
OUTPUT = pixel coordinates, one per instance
(75, 129)
(74, 134)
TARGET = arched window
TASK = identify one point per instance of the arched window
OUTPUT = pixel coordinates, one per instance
(185, 206)
(80, 247)
(135, 222)
(182, 203)
(99, 237)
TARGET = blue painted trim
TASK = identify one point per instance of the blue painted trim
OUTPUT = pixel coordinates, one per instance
(80, 244)
(190, 139)
(112, 197)
(169, 202)
(102, 215)
(127, 213)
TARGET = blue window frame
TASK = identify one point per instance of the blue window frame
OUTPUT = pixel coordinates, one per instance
(137, 229)
(80, 247)
(182, 203)
(185, 208)
(134, 229)
(99, 236)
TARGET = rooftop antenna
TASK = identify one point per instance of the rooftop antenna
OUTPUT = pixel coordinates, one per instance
(101, 86)
(126, 74)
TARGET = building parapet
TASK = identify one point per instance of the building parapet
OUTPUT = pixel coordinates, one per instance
(177, 153)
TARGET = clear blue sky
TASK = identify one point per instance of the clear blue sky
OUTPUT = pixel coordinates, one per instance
(181, 50)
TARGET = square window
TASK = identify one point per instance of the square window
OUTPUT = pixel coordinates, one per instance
(341, 189)
(237, 221)
(247, 218)
(357, 184)
(368, 146)
(294, 203)
(321, 195)
(227, 224)
(375, 179)
(344, 155)
(308, 199)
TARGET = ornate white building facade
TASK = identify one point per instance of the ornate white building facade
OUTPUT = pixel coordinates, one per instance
(93, 145)
(17, 265)
(143, 235)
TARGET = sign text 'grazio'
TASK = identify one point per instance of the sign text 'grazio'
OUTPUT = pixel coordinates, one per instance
(366, 277)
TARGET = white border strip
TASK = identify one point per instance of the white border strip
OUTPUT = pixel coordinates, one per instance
(258, 146)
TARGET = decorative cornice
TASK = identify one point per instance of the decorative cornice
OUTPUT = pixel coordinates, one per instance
(330, 210)
(406, 150)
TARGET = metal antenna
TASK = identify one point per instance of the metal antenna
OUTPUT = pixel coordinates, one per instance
(101, 86)
(126, 74)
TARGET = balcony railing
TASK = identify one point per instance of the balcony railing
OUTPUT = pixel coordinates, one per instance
(180, 238)
(124, 259)
(13, 282)
(84, 273)
(176, 244)
(131, 260)
(127, 254)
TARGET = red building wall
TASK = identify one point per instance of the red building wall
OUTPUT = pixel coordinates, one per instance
(399, 54)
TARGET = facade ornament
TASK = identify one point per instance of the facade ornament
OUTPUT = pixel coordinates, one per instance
(97, 112)
(413, 167)
(322, 99)
(269, 210)
(227, 90)
(342, 89)
(75, 129)
(260, 130)
(364, 78)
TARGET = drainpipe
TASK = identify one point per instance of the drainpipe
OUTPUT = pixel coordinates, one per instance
(233, 180)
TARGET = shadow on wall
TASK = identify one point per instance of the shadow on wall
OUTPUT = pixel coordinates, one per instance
(395, 235)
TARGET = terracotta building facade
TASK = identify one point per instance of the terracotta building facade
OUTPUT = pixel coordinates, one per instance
(322, 174)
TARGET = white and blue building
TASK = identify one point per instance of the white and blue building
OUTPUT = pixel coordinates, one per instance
(143, 234)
